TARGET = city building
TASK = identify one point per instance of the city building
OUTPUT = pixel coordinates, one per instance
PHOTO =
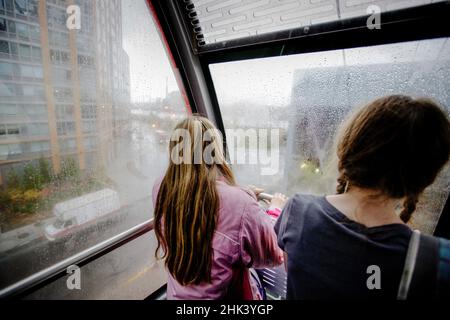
(63, 92)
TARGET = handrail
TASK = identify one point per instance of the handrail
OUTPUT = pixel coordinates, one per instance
(265, 196)
(54, 272)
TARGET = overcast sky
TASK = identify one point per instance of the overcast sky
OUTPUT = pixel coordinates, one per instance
(149, 66)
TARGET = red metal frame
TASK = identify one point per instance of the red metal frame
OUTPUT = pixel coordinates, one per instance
(173, 64)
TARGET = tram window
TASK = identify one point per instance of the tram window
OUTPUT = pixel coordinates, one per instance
(101, 154)
(307, 96)
(129, 272)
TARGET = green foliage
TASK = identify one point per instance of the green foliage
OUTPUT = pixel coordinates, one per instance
(5, 200)
(31, 178)
(69, 170)
(36, 189)
(13, 180)
(16, 200)
(44, 170)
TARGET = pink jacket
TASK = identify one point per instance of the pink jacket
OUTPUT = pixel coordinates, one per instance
(244, 236)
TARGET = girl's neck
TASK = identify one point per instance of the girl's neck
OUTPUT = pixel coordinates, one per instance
(366, 207)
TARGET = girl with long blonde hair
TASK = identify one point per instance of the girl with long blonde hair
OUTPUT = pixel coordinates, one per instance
(209, 230)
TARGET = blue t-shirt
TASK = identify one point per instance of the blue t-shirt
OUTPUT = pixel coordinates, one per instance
(332, 257)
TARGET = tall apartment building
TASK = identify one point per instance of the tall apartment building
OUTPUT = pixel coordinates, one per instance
(63, 93)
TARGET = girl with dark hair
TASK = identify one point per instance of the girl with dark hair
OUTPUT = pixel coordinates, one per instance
(353, 244)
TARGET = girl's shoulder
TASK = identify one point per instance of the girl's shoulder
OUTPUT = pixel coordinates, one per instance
(304, 209)
(235, 193)
(236, 203)
(303, 203)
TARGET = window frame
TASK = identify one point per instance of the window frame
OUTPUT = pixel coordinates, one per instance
(191, 68)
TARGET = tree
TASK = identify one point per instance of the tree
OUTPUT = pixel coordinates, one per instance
(31, 178)
(13, 180)
(44, 170)
(69, 169)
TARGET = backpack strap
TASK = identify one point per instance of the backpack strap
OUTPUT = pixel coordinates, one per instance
(425, 280)
(410, 263)
(444, 269)
(420, 273)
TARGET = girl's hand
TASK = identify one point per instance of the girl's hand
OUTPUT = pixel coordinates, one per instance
(255, 190)
(278, 201)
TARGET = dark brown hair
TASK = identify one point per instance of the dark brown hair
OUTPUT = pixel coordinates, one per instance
(396, 145)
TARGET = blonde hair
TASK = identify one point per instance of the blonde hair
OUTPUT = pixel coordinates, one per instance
(187, 204)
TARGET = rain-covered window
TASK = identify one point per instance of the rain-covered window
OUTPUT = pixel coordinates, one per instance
(81, 127)
(301, 101)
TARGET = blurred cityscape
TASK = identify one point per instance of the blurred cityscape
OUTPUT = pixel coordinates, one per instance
(65, 97)
(69, 129)
(65, 94)
(65, 103)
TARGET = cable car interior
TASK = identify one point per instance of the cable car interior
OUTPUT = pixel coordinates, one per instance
(90, 91)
